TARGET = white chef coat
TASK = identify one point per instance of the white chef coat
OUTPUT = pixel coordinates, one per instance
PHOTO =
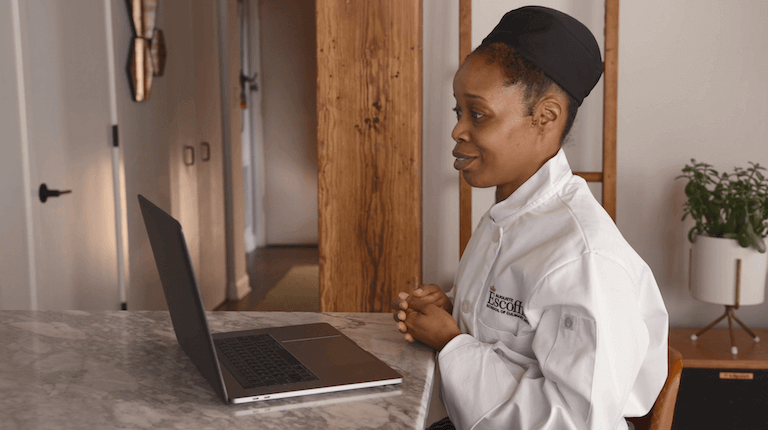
(563, 323)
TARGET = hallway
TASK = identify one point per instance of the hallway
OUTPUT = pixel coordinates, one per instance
(283, 278)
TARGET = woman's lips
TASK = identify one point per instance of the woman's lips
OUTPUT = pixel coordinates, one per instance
(461, 163)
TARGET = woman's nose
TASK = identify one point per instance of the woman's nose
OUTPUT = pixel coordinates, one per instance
(459, 131)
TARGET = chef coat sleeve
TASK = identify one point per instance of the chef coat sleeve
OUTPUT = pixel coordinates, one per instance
(589, 345)
(451, 293)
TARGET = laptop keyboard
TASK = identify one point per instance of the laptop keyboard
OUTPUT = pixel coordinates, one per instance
(259, 361)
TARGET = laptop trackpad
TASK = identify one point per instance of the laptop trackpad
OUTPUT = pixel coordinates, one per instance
(328, 351)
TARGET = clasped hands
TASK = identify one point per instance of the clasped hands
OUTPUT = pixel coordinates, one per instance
(425, 315)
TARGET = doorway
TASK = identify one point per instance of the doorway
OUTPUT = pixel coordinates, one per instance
(279, 135)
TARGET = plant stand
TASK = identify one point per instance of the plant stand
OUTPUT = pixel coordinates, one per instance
(729, 313)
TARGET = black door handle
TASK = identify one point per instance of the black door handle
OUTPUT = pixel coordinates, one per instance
(191, 150)
(208, 152)
(44, 192)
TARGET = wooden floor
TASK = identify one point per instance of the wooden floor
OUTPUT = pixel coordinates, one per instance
(266, 267)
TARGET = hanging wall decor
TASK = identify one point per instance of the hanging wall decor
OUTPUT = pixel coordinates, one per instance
(147, 53)
(157, 49)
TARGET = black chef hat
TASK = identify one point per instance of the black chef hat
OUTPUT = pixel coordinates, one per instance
(556, 43)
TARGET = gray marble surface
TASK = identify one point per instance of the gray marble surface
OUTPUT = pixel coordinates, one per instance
(125, 370)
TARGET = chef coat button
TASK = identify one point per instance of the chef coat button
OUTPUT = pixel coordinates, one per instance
(465, 306)
(496, 236)
(568, 322)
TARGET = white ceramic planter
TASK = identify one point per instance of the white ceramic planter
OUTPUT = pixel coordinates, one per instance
(713, 272)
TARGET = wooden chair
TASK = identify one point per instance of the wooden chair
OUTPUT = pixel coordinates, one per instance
(663, 411)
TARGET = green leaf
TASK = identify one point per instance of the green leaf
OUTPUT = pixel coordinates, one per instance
(692, 235)
(753, 239)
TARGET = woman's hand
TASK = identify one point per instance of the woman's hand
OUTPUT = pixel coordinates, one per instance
(428, 293)
(425, 316)
(428, 324)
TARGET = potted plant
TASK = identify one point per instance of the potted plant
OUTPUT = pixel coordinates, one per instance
(727, 205)
(728, 257)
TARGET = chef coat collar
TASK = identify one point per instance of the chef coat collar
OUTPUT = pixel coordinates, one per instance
(545, 182)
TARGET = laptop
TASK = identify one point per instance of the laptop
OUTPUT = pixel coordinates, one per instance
(261, 364)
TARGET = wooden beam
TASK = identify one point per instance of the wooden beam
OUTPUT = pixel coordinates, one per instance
(369, 151)
(465, 190)
(590, 176)
(610, 105)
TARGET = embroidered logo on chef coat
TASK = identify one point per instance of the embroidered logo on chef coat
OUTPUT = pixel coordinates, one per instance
(505, 305)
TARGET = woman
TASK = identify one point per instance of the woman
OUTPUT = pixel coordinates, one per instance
(554, 322)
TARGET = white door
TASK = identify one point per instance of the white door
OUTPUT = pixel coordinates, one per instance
(66, 87)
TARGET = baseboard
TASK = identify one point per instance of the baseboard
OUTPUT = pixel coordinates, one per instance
(250, 240)
(242, 288)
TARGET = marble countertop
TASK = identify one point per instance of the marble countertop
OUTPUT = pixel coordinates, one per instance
(125, 370)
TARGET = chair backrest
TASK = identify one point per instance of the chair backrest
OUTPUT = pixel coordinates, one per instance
(663, 411)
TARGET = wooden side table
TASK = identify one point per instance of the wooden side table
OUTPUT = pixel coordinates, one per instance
(719, 390)
(713, 349)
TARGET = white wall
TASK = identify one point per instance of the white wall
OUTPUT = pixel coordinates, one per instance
(289, 86)
(440, 189)
(691, 85)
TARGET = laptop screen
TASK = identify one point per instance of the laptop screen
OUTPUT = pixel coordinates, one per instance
(181, 293)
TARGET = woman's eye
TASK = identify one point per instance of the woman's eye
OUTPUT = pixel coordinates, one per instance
(475, 115)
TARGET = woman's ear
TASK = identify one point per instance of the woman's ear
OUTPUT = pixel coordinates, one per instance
(550, 113)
